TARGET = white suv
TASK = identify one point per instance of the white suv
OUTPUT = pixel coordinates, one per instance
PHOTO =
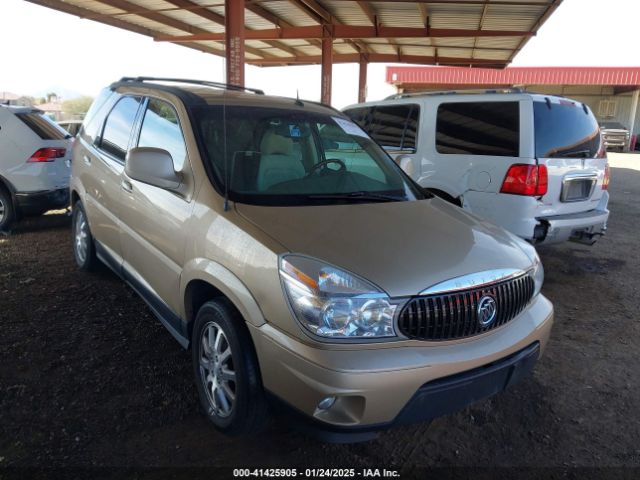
(35, 156)
(534, 164)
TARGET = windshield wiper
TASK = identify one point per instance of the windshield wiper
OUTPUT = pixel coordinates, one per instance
(363, 196)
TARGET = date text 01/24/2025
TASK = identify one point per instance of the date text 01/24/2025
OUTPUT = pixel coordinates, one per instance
(315, 473)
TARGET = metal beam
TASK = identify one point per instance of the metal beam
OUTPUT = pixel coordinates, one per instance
(165, 20)
(362, 79)
(234, 31)
(381, 57)
(350, 32)
(324, 17)
(80, 12)
(275, 19)
(480, 25)
(327, 70)
(368, 11)
(219, 19)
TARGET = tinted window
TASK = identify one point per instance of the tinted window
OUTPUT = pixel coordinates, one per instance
(480, 128)
(394, 127)
(92, 123)
(43, 126)
(117, 128)
(359, 115)
(161, 129)
(565, 130)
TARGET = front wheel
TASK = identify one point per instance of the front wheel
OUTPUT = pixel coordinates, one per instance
(226, 370)
(83, 247)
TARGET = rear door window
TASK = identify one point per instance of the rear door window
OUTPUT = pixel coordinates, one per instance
(393, 127)
(478, 128)
(43, 126)
(161, 129)
(565, 129)
(118, 127)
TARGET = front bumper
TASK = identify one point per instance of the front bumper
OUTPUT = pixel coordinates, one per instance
(385, 384)
(35, 203)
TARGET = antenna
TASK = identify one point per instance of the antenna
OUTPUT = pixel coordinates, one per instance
(224, 152)
(298, 101)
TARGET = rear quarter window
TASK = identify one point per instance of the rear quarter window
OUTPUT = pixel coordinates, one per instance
(43, 126)
(566, 129)
(478, 128)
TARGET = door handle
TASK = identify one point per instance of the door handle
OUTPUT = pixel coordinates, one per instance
(126, 186)
(86, 159)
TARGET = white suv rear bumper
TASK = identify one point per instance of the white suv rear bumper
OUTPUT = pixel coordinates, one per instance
(522, 216)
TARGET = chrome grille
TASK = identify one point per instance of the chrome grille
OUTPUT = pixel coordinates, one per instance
(452, 315)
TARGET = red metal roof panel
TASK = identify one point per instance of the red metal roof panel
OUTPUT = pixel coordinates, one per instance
(619, 76)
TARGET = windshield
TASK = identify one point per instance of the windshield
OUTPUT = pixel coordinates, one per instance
(292, 157)
(565, 129)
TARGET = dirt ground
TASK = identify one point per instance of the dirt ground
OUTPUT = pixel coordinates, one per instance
(89, 377)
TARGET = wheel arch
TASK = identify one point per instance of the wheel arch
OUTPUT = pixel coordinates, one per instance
(206, 280)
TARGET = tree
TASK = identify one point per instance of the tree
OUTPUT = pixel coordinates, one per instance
(77, 107)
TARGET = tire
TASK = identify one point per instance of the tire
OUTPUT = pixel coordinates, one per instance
(7, 210)
(83, 247)
(243, 408)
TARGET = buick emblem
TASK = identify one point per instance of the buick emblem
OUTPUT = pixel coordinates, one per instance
(487, 310)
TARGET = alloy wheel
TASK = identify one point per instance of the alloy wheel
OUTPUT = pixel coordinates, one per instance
(217, 371)
(81, 237)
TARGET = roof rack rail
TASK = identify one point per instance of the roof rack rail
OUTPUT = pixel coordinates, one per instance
(398, 96)
(225, 86)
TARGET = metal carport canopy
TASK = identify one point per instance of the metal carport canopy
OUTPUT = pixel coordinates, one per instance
(487, 33)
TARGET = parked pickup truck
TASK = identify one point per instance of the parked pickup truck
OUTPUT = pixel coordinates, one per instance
(615, 136)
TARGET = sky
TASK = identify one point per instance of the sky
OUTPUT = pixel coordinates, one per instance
(44, 50)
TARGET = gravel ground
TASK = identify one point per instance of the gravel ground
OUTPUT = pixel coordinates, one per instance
(89, 377)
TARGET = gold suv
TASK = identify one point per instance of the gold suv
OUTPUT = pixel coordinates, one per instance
(305, 271)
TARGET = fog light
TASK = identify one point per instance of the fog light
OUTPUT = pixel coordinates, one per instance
(326, 403)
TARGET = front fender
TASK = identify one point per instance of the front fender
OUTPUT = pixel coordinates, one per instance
(227, 282)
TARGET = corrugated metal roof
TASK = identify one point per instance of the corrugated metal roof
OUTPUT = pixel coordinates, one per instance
(470, 20)
(616, 76)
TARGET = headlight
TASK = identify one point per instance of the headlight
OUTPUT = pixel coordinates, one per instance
(538, 276)
(330, 302)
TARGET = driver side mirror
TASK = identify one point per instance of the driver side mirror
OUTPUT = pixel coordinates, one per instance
(153, 166)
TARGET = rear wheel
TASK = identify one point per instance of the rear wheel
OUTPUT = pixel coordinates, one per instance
(226, 370)
(83, 248)
(7, 211)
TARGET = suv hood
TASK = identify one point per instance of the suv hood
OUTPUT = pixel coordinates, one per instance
(402, 247)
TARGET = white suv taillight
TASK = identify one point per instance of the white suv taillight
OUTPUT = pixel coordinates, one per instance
(523, 179)
(605, 180)
(48, 154)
